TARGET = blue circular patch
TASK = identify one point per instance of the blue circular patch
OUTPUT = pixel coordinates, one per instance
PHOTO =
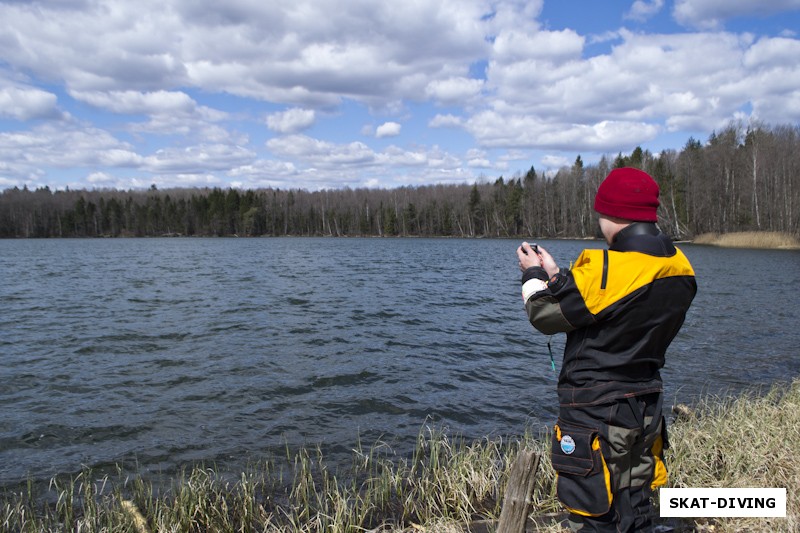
(567, 444)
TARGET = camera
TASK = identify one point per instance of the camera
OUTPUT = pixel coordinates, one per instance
(534, 247)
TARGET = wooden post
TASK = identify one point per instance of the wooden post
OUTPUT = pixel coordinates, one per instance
(517, 500)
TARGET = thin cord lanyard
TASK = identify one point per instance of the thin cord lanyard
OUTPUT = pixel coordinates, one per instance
(549, 349)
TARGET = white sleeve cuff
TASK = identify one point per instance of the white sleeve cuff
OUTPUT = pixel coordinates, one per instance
(531, 287)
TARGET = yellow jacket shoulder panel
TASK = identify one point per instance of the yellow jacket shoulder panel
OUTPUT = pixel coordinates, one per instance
(626, 273)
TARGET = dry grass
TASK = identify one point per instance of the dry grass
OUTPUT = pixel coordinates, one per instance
(750, 239)
(748, 441)
(446, 484)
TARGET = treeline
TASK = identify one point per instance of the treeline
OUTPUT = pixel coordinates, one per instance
(739, 180)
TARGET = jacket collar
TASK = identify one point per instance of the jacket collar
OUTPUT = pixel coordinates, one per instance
(644, 237)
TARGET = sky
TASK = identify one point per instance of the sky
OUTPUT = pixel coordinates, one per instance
(328, 94)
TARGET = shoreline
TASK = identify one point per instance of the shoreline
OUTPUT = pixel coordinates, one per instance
(772, 240)
(760, 240)
(448, 485)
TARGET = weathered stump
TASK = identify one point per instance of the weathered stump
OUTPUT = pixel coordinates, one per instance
(517, 500)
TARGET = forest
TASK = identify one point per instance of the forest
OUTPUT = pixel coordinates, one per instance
(740, 179)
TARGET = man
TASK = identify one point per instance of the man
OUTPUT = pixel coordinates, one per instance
(620, 309)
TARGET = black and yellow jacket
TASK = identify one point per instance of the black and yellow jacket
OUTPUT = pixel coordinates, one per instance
(620, 309)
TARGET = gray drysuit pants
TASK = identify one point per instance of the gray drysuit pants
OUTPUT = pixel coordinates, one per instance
(609, 459)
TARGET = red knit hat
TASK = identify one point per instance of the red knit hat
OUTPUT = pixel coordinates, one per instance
(628, 193)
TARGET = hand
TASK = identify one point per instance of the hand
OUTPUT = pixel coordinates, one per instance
(527, 257)
(541, 259)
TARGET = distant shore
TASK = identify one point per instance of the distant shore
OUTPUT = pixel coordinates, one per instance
(750, 239)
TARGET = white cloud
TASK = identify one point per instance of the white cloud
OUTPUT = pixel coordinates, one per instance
(394, 155)
(446, 121)
(102, 179)
(507, 130)
(264, 168)
(479, 163)
(245, 48)
(95, 46)
(788, 105)
(388, 129)
(512, 45)
(643, 9)
(516, 14)
(28, 153)
(292, 120)
(135, 102)
(514, 155)
(321, 153)
(45, 146)
(338, 161)
(191, 179)
(197, 159)
(168, 112)
(268, 173)
(711, 14)
(478, 159)
(180, 88)
(475, 153)
(443, 161)
(555, 162)
(645, 85)
(28, 103)
(454, 90)
(772, 52)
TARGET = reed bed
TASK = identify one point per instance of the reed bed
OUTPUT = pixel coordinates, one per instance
(446, 485)
(750, 239)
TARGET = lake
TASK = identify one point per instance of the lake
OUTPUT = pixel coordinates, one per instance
(154, 354)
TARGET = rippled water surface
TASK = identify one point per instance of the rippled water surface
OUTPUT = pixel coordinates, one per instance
(163, 352)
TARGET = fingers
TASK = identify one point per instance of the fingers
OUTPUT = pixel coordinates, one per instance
(544, 255)
(548, 262)
(528, 257)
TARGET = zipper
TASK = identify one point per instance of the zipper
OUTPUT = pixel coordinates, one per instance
(604, 280)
